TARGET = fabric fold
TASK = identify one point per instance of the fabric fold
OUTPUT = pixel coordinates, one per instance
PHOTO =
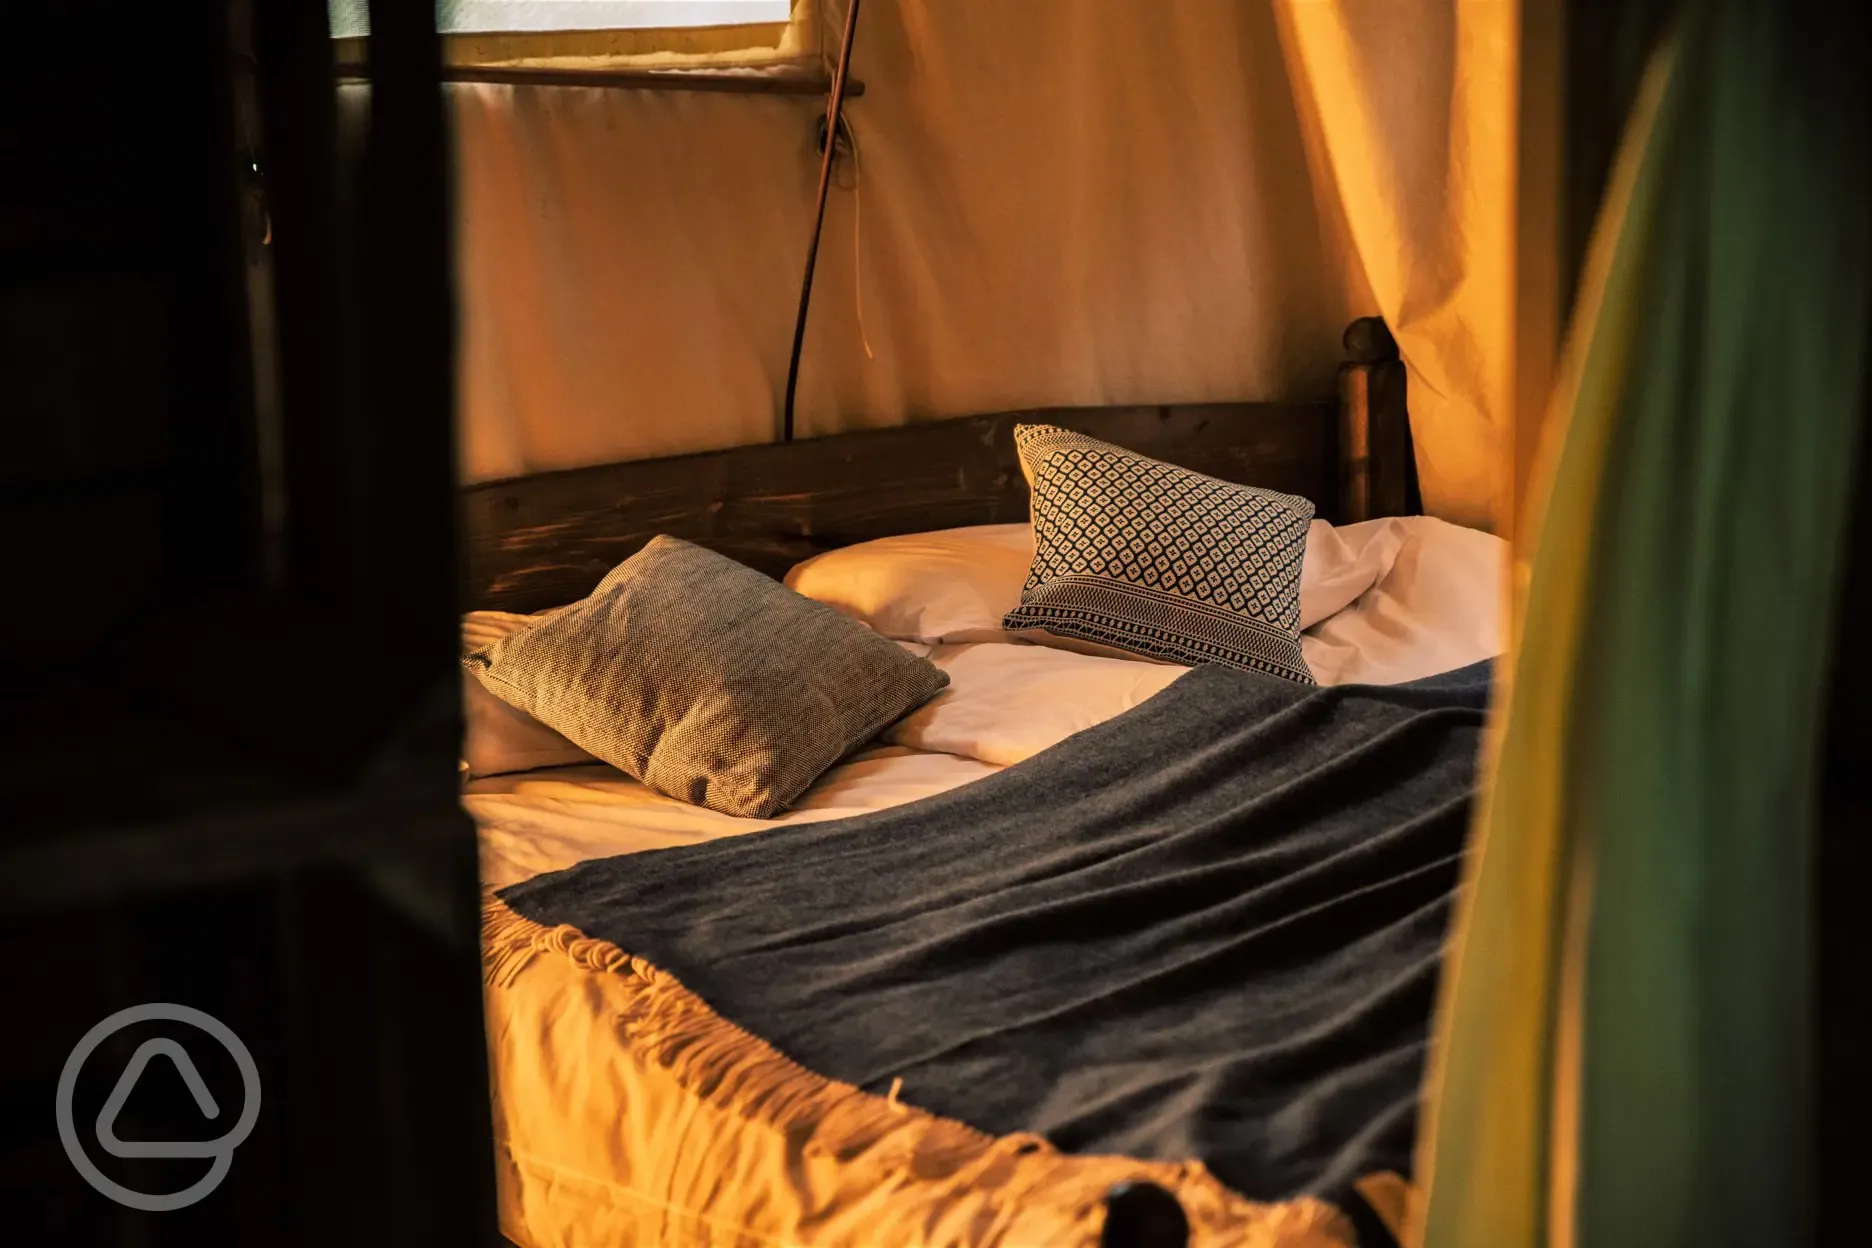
(762, 1151)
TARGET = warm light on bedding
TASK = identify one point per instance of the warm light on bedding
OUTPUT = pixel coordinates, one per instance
(599, 1121)
(1434, 604)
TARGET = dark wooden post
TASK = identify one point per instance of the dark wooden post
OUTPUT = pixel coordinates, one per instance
(1377, 471)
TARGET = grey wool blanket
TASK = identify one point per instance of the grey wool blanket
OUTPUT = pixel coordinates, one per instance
(1210, 928)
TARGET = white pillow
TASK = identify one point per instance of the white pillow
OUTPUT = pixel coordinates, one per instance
(956, 585)
(953, 585)
(1438, 605)
(498, 738)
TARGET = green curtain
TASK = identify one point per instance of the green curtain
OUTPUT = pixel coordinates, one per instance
(1623, 1053)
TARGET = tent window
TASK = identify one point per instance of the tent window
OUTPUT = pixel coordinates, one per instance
(668, 32)
(351, 18)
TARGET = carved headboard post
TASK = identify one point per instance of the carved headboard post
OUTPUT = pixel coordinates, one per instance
(1377, 464)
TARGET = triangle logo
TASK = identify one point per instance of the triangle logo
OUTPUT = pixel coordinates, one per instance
(114, 1103)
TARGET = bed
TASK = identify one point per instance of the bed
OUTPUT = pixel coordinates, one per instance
(651, 1085)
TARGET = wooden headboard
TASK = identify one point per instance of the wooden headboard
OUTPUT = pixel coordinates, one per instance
(539, 541)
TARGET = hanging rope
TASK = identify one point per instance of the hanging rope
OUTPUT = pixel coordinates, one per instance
(835, 103)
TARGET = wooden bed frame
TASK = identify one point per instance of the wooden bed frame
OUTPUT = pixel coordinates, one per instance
(540, 541)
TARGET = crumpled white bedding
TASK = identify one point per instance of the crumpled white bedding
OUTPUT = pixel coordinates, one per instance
(1436, 604)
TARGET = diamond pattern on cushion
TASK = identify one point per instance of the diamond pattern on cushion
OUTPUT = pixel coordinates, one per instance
(1158, 560)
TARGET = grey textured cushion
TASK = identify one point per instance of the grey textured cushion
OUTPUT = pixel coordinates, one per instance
(1143, 556)
(706, 680)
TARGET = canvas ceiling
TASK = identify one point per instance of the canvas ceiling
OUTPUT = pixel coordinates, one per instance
(1060, 202)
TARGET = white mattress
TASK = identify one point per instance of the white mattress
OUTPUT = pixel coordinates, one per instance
(1437, 606)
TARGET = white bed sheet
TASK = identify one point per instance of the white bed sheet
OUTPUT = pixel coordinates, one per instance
(541, 821)
(1436, 605)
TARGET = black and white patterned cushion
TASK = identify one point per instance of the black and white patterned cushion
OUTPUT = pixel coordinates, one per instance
(1146, 557)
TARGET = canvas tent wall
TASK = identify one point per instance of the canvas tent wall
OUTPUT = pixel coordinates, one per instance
(1052, 204)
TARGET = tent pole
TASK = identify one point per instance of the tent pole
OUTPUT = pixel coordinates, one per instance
(835, 103)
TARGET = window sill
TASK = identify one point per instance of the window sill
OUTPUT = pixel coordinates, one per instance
(731, 81)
